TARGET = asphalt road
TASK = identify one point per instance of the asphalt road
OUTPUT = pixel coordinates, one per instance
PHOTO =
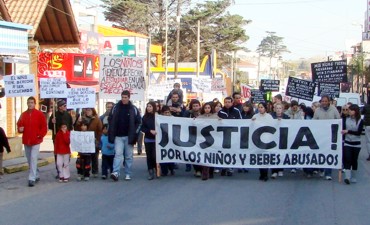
(183, 199)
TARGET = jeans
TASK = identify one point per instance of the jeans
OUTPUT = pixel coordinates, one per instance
(107, 164)
(123, 151)
(32, 153)
(140, 138)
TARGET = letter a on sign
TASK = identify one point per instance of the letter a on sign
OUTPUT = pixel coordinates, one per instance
(107, 44)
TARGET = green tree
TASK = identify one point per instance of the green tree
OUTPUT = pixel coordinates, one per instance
(272, 46)
(219, 29)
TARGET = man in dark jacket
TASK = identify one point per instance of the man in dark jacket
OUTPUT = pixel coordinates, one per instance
(229, 111)
(124, 122)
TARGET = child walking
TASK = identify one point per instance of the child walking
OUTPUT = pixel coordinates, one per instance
(83, 162)
(63, 152)
(107, 150)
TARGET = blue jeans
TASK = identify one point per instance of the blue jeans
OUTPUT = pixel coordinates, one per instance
(32, 153)
(123, 151)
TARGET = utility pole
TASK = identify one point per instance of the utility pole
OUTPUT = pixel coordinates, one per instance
(177, 52)
(198, 48)
(166, 44)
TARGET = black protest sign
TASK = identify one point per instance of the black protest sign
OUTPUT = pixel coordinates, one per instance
(301, 89)
(269, 85)
(329, 72)
(329, 89)
(257, 96)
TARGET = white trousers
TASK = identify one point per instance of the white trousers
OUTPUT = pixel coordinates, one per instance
(63, 165)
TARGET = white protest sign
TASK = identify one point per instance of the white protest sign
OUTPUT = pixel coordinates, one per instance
(19, 85)
(249, 144)
(218, 84)
(53, 87)
(83, 141)
(201, 85)
(81, 98)
(158, 91)
(122, 73)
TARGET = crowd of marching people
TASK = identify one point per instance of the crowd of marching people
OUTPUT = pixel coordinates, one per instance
(122, 126)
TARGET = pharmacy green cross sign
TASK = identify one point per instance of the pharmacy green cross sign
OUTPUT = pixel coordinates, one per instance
(126, 48)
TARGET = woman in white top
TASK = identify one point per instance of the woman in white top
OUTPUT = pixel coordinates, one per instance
(262, 115)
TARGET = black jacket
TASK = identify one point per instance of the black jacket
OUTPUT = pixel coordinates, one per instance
(230, 113)
(147, 125)
(4, 141)
(134, 123)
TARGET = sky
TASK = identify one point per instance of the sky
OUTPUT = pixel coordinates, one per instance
(309, 27)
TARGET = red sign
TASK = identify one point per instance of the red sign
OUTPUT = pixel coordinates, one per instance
(75, 67)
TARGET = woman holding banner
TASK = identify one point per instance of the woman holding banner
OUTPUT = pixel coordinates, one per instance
(207, 112)
(278, 114)
(262, 115)
(148, 128)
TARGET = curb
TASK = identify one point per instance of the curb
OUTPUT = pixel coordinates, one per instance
(24, 166)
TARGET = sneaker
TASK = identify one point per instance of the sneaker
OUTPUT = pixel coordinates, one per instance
(198, 174)
(114, 176)
(280, 173)
(95, 175)
(127, 177)
(347, 181)
(37, 179)
(216, 171)
(103, 177)
(328, 178)
(61, 180)
(293, 171)
(79, 177)
(31, 183)
(86, 178)
(274, 175)
(322, 174)
(65, 180)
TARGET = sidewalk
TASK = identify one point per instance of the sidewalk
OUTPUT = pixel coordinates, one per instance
(46, 156)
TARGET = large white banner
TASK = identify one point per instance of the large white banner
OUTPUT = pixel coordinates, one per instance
(122, 73)
(83, 141)
(19, 85)
(250, 144)
(55, 87)
(81, 98)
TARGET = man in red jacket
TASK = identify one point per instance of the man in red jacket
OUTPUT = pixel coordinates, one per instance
(32, 123)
